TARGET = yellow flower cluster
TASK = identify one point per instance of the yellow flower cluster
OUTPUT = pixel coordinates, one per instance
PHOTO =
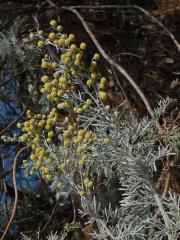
(62, 77)
(72, 58)
(36, 128)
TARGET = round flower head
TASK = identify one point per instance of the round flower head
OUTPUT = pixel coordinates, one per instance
(41, 44)
(83, 46)
(53, 23)
(40, 33)
(82, 194)
(96, 57)
(59, 28)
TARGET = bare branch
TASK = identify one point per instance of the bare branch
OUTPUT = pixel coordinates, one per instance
(115, 64)
(16, 194)
(133, 7)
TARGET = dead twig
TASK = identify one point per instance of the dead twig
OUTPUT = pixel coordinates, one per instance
(50, 218)
(166, 189)
(133, 7)
(113, 63)
(16, 194)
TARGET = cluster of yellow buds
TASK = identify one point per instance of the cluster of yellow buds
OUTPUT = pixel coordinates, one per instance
(66, 77)
(6, 138)
(37, 129)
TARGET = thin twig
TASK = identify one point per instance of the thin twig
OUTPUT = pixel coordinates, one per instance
(16, 194)
(166, 189)
(133, 7)
(50, 218)
(164, 171)
(115, 64)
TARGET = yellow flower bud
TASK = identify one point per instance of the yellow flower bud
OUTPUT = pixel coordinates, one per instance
(63, 166)
(77, 62)
(66, 143)
(87, 136)
(79, 110)
(67, 42)
(33, 156)
(85, 107)
(90, 82)
(108, 107)
(19, 125)
(72, 37)
(82, 193)
(81, 163)
(61, 41)
(79, 56)
(96, 57)
(59, 28)
(41, 44)
(89, 101)
(40, 33)
(66, 60)
(49, 177)
(66, 134)
(60, 93)
(83, 46)
(86, 181)
(49, 140)
(49, 160)
(56, 74)
(44, 64)
(103, 80)
(101, 86)
(45, 78)
(61, 105)
(52, 35)
(46, 170)
(22, 138)
(53, 23)
(38, 163)
(84, 157)
(90, 184)
(50, 134)
(93, 75)
(73, 47)
(54, 65)
(103, 95)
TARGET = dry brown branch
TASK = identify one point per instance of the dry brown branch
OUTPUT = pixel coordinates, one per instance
(115, 64)
(166, 189)
(50, 218)
(133, 7)
(16, 194)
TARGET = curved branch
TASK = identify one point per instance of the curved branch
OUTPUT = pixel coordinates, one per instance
(115, 64)
(16, 194)
(137, 8)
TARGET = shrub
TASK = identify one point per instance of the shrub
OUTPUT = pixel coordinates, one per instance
(80, 141)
